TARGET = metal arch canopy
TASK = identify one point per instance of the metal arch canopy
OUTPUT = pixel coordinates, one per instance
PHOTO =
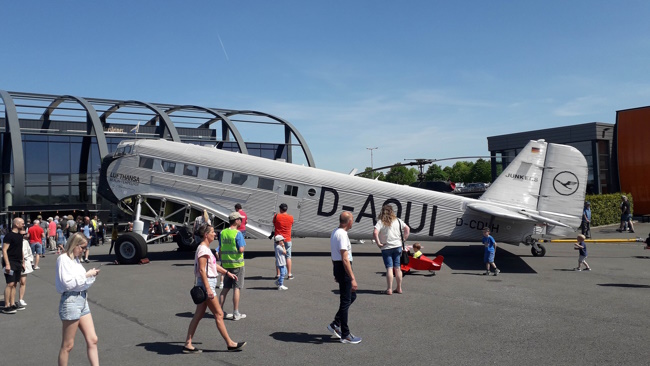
(231, 126)
(13, 124)
(92, 124)
(166, 122)
(289, 129)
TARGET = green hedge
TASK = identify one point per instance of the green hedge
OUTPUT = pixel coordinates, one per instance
(605, 208)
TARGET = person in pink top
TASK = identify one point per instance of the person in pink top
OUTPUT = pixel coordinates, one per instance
(51, 234)
(244, 218)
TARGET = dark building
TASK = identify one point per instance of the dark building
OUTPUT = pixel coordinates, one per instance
(593, 139)
(52, 145)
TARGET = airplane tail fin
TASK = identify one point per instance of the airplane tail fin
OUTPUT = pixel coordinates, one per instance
(519, 184)
(546, 182)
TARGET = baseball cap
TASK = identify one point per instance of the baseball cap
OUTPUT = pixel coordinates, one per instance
(279, 237)
(234, 216)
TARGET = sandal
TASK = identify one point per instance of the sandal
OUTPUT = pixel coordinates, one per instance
(191, 350)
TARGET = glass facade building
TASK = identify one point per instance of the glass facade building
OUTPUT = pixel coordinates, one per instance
(52, 146)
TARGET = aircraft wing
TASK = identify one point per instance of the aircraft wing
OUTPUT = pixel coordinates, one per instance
(521, 215)
(252, 230)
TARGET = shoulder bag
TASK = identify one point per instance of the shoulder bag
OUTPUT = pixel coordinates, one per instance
(199, 295)
(404, 259)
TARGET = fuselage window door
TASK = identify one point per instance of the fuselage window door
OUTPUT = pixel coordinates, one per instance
(169, 166)
(146, 163)
(190, 170)
(290, 190)
(238, 178)
(215, 174)
(264, 183)
(119, 151)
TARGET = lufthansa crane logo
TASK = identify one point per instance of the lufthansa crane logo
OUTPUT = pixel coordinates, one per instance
(566, 183)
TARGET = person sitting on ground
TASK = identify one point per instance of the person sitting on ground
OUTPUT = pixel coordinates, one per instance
(417, 249)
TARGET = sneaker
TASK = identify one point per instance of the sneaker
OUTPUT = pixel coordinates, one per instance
(17, 306)
(22, 302)
(351, 339)
(221, 286)
(282, 288)
(631, 231)
(238, 316)
(335, 329)
(487, 273)
(36, 267)
(577, 269)
(619, 230)
(9, 310)
(227, 316)
(290, 276)
(86, 260)
(497, 271)
(588, 269)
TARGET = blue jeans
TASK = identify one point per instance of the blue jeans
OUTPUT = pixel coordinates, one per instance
(347, 297)
(37, 248)
(283, 274)
(391, 257)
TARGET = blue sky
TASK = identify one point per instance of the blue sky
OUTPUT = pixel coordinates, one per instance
(418, 79)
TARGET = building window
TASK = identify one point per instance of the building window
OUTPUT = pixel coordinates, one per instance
(215, 174)
(290, 190)
(238, 178)
(146, 163)
(169, 166)
(264, 183)
(191, 170)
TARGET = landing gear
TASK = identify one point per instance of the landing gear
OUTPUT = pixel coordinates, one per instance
(130, 248)
(538, 250)
(185, 240)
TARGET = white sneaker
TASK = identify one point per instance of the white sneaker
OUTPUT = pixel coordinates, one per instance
(22, 302)
(221, 286)
(282, 288)
(238, 316)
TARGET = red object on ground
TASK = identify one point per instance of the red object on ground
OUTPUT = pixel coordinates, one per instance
(423, 263)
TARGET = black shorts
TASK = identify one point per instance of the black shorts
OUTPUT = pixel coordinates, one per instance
(15, 277)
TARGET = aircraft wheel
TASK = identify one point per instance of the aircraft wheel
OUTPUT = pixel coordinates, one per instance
(185, 240)
(538, 250)
(130, 248)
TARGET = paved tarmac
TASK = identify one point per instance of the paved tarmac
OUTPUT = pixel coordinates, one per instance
(538, 311)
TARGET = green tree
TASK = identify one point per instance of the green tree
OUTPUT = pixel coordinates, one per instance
(371, 175)
(460, 171)
(400, 174)
(481, 172)
(434, 173)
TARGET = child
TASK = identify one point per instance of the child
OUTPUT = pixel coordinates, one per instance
(488, 255)
(280, 261)
(582, 246)
(416, 248)
(60, 240)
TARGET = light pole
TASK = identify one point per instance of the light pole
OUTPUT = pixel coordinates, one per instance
(371, 163)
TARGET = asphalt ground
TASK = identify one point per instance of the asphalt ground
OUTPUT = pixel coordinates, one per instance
(538, 311)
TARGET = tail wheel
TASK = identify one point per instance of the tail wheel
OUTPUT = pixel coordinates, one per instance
(538, 250)
(130, 248)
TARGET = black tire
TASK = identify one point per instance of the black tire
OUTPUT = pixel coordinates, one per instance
(540, 251)
(130, 248)
(185, 240)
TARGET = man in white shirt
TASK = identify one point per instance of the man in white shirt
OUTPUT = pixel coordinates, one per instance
(342, 262)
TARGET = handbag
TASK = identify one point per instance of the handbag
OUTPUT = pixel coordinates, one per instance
(199, 295)
(404, 256)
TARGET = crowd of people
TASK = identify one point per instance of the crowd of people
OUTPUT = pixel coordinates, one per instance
(223, 269)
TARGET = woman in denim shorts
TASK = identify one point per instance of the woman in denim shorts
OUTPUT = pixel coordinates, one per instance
(206, 271)
(388, 235)
(72, 280)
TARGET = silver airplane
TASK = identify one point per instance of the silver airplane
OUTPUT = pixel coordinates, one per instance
(539, 195)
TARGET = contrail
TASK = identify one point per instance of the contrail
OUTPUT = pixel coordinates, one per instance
(222, 47)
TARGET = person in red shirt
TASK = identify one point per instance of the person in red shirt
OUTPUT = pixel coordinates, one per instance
(244, 218)
(51, 234)
(36, 236)
(282, 223)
